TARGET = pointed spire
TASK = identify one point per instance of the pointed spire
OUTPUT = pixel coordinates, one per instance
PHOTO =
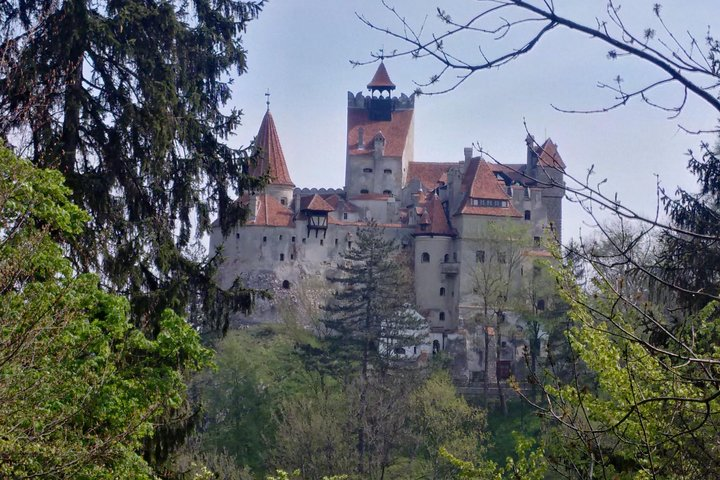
(381, 80)
(271, 160)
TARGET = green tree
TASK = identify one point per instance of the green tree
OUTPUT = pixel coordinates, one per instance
(369, 321)
(126, 99)
(443, 420)
(80, 387)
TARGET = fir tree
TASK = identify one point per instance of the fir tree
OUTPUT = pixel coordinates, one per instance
(370, 321)
(126, 99)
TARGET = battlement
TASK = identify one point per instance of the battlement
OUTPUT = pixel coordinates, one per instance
(403, 102)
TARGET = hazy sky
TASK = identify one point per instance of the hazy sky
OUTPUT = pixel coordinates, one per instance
(301, 50)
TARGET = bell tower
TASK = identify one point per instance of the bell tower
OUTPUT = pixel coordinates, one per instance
(379, 141)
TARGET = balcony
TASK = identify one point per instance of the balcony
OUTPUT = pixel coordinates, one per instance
(450, 268)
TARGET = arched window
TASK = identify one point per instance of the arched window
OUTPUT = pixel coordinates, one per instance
(286, 284)
(425, 257)
(446, 259)
(442, 316)
(436, 347)
(399, 351)
(527, 214)
(442, 291)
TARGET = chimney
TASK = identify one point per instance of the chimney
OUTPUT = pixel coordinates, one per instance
(468, 153)
(361, 141)
(379, 145)
(253, 207)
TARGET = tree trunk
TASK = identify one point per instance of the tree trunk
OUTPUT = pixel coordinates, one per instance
(501, 396)
(486, 380)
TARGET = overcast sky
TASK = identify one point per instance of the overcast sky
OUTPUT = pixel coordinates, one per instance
(301, 51)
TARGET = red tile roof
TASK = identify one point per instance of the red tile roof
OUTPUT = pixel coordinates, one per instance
(338, 203)
(271, 160)
(381, 79)
(548, 155)
(395, 131)
(315, 202)
(434, 216)
(270, 212)
(481, 182)
(429, 173)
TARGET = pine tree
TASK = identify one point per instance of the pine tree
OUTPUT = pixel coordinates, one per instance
(370, 321)
(126, 98)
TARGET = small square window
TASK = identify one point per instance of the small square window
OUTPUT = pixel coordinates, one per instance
(387, 170)
(282, 257)
(322, 242)
(237, 235)
(264, 239)
(292, 257)
(364, 190)
(292, 239)
(367, 170)
(336, 241)
(280, 237)
(344, 216)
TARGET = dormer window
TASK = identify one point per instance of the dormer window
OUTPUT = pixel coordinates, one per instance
(488, 202)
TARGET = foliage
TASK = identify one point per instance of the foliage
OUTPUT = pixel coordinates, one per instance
(444, 421)
(80, 387)
(126, 100)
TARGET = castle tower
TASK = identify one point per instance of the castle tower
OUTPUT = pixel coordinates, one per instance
(379, 141)
(271, 162)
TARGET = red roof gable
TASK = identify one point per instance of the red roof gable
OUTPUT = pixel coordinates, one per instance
(315, 202)
(429, 173)
(434, 218)
(270, 212)
(548, 155)
(395, 131)
(381, 79)
(481, 182)
(271, 160)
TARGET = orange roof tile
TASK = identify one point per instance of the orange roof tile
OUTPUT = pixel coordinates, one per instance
(338, 203)
(548, 155)
(315, 202)
(270, 212)
(395, 131)
(480, 181)
(436, 219)
(429, 173)
(381, 79)
(271, 160)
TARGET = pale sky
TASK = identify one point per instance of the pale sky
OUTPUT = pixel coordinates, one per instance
(301, 52)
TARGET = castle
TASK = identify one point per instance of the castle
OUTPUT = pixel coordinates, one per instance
(436, 211)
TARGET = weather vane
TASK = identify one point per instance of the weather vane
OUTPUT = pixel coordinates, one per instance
(267, 99)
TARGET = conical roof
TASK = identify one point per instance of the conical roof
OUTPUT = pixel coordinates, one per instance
(381, 80)
(271, 159)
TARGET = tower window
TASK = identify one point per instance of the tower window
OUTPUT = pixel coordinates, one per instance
(387, 170)
(336, 241)
(286, 284)
(280, 237)
(349, 244)
(264, 239)
(480, 256)
(367, 170)
(344, 216)
(446, 259)
(292, 256)
(387, 192)
(441, 317)
(283, 201)
(282, 257)
(442, 291)
(425, 257)
(303, 240)
(536, 241)
(321, 241)
(237, 235)
(541, 304)
(502, 258)
(527, 214)
(364, 190)
(292, 239)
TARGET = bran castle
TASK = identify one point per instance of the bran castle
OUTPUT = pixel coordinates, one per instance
(437, 212)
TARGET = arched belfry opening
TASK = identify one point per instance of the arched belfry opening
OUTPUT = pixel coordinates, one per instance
(379, 104)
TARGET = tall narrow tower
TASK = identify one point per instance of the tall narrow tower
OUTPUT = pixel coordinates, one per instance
(379, 139)
(271, 162)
